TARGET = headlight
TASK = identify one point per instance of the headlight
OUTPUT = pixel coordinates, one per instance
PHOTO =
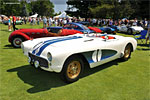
(49, 56)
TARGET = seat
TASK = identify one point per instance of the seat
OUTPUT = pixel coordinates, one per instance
(141, 36)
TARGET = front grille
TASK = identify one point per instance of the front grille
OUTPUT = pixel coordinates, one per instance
(43, 62)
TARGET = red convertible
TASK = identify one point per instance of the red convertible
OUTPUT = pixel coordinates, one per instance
(18, 36)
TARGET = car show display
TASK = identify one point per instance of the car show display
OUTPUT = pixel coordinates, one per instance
(18, 36)
(68, 55)
(130, 29)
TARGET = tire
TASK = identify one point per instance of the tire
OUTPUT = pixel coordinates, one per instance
(127, 52)
(72, 69)
(130, 31)
(16, 41)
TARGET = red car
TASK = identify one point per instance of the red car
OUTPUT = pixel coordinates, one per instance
(18, 36)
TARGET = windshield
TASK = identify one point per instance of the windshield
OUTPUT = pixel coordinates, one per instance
(84, 27)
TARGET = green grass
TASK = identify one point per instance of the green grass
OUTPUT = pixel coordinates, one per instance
(116, 80)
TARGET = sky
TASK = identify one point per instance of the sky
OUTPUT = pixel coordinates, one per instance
(59, 5)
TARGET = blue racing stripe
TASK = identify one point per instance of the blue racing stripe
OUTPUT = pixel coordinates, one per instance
(49, 42)
(33, 52)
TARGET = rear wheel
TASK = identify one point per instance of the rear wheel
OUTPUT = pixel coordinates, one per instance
(16, 41)
(72, 69)
(127, 52)
(129, 31)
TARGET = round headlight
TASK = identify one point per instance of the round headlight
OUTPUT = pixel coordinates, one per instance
(49, 56)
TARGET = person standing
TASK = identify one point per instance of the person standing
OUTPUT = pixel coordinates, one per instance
(50, 22)
(14, 23)
(9, 24)
(44, 22)
(38, 21)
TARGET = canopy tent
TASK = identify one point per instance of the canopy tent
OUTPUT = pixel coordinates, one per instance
(35, 15)
(62, 15)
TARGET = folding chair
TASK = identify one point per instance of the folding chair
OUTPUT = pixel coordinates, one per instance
(141, 36)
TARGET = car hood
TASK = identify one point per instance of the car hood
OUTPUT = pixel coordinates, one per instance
(137, 28)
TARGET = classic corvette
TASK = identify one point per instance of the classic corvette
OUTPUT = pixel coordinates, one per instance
(130, 29)
(18, 36)
(68, 55)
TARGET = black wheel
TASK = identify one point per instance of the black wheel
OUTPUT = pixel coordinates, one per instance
(16, 41)
(72, 69)
(127, 52)
(130, 31)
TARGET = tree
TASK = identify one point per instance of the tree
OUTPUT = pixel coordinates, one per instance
(113, 9)
(7, 7)
(23, 8)
(82, 7)
(43, 7)
(110, 8)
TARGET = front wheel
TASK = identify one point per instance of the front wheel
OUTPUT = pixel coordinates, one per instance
(16, 41)
(127, 52)
(72, 69)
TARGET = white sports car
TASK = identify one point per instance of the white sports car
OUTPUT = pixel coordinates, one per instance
(130, 30)
(69, 54)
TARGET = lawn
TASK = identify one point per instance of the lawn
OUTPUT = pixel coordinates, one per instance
(116, 80)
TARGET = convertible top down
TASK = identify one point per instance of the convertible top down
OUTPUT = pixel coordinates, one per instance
(67, 54)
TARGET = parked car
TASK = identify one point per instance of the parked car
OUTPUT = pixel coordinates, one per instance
(84, 23)
(68, 55)
(18, 22)
(18, 36)
(108, 30)
(82, 28)
(130, 29)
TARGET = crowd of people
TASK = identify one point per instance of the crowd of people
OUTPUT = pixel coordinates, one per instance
(49, 21)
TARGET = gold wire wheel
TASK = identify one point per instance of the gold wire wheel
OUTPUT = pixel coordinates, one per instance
(73, 69)
(127, 51)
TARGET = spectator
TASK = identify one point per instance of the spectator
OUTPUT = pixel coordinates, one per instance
(148, 33)
(9, 24)
(14, 23)
(44, 22)
(145, 23)
(38, 21)
(24, 19)
(50, 22)
(56, 22)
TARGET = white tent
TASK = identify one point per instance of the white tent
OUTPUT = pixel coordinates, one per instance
(35, 15)
(62, 15)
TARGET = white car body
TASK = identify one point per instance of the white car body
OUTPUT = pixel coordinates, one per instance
(96, 50)
(135, 29)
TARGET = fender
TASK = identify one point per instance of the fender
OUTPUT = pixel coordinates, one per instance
(97, 30)
(26, 37)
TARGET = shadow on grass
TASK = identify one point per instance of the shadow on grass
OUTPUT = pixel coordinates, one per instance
(144, 47)
(6, 30)
(42, 80)
(9, 46)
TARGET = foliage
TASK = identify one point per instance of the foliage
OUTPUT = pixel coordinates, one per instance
(111, 8)
(42, 7)
(22, 8)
